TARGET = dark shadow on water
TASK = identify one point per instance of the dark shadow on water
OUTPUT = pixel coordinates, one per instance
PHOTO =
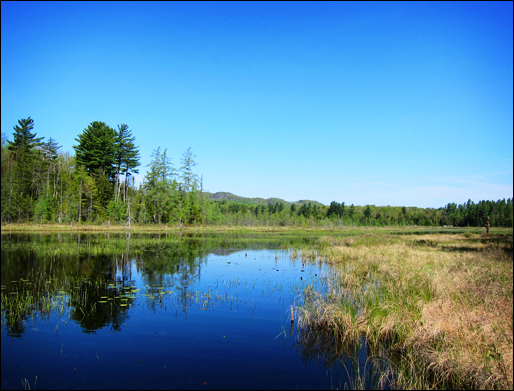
(495, 244)
(365, 367)
(449, 231)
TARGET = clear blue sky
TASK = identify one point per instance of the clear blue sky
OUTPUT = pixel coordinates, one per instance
(367, 103)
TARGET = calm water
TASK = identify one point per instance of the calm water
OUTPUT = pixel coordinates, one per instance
(195, 313)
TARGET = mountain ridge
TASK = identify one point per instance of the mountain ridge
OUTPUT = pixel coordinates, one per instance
(223, 195)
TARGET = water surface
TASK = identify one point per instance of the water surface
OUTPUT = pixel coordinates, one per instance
(169, 312)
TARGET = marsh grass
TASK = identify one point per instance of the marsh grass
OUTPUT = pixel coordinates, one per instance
(442, 303)
(155, 228)
(26, 384)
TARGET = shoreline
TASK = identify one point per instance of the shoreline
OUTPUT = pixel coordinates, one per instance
(153, 228)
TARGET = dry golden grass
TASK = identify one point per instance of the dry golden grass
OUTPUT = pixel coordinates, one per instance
(444, 301)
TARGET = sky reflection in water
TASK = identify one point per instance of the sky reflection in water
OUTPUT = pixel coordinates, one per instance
(220, 321)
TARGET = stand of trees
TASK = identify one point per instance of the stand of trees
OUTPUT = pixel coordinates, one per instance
(41, 184)
(96, 185)
(338, 215)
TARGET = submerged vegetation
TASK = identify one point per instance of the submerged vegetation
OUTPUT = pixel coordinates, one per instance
(441, 304)
(433, 310)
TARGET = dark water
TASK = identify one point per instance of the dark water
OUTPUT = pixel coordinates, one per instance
(446, 231)
(149, 313)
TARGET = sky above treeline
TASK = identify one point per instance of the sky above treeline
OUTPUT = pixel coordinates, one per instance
(403, 104)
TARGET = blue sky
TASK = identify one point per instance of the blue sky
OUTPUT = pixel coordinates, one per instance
(367, 103)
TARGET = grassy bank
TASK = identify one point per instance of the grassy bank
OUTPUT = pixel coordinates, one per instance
(155, 228)
(443, 303)
(147, 228)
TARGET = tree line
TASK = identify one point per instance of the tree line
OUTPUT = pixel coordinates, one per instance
(338, 214)
(96, 186)
(42, 184)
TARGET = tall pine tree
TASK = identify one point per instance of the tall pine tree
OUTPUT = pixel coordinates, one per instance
(24, 151)
(126, 156)
(96, 149)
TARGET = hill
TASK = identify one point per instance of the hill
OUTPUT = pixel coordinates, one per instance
(221, 195)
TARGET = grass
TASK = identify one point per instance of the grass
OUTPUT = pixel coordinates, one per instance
(442, 303)
(163, 228)
(85, 227)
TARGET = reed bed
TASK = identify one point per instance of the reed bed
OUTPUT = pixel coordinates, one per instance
(442, 303)
(199, 228)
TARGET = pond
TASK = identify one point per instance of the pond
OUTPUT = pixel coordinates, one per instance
(165, 311)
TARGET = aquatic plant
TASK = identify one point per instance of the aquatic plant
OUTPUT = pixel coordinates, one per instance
(445, 309)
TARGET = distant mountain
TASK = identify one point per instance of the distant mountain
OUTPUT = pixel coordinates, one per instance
(221, 195)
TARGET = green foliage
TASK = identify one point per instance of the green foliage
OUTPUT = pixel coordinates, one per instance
(24, 140)
(117, 211)
(190, 180)
(126, 155)
(10, 184)
(367, 212)
(103, 191)
(24, 154)
(335, 209)
(161, 168)
(40, 183)
(96, 149)
(42, 212)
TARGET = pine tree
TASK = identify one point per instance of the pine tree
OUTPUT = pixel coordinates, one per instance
(367, 212)
(159, 187)
(10, 184)
(190, 180)
(96, 149)
(49, 152)
(24, 151)
(126, 156)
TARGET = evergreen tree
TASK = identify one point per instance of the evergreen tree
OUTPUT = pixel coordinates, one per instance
(126, 155)
(24, 153)
(96, 149)
(351, 211)
(10, 184)
(333, 209)
(367, 212)
(160, 194)
(189, 179)
(24, 149)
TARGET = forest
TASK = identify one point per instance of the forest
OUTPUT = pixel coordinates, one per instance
(40, 184)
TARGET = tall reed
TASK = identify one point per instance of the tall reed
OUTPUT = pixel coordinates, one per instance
(443, 304)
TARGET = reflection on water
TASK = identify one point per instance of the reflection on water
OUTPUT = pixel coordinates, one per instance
(166, 311)
(370, 368)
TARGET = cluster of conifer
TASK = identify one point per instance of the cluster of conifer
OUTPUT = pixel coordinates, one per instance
(97, 185)
(338, 214)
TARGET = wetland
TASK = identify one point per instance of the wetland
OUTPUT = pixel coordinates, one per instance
(246, 310)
